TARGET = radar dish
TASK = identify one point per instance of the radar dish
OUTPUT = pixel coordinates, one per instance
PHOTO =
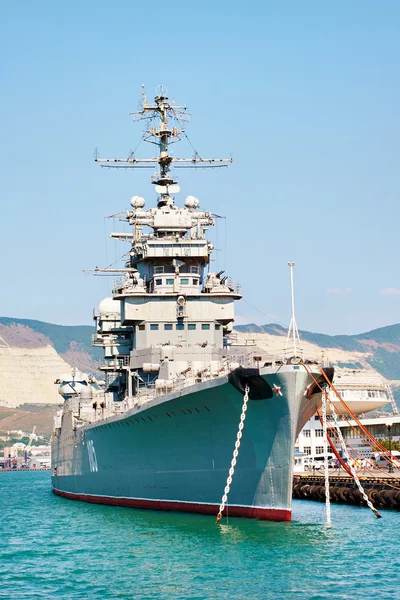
(167, 189)
(178, 263)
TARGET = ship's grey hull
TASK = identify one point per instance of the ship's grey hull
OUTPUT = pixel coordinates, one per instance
(175, 454)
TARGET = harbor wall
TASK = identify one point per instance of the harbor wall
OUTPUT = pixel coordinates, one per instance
(383, 493)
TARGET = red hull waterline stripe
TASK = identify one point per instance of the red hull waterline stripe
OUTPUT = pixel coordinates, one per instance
(266, 514)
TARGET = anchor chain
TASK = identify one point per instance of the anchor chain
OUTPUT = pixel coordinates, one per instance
(235, 455)
(347, 456)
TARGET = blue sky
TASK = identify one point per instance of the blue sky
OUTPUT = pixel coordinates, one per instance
(304, 95)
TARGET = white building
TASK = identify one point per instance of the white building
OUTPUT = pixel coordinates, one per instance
(40, 457)
(379, 427)
(362, 393)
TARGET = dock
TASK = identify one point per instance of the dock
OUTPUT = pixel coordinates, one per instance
(383, 490)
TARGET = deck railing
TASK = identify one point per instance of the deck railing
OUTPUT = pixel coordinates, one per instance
(115, 363)
(146, 391)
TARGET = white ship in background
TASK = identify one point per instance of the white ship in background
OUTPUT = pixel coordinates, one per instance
(363, 392)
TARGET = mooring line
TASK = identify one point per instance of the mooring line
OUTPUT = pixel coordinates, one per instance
(342, 442)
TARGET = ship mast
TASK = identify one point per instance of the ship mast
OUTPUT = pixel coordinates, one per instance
(162, 136)
(293, 332)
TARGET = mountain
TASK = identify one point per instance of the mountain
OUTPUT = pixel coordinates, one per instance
(26, 417)
(33, 354)
(379, 348)
(64, 338)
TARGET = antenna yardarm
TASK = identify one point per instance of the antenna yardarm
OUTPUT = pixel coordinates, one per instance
(162, 135)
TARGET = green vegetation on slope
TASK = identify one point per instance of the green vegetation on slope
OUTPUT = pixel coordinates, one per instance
(385, 360)
(384, 350)
(27, 416)
(61, 336)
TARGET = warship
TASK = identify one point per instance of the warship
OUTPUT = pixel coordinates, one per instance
(158, 431)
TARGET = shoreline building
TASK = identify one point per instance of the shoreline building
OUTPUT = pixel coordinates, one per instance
(363, 393)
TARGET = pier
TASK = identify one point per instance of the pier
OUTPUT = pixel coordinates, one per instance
(383, 491)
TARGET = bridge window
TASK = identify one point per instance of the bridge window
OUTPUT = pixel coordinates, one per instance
(158, 270)
(154, 326)
(185, 281)
(195, 282)
(180, 326)
(169, 281)
(141, 327)
(158, 281)
(194, 269)
(205, 326)
(217, 326)
(168, 326)
(191, 326)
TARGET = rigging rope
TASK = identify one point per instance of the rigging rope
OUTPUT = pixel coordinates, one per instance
(147, 126)
(184, 132)
(272, 319)
(350, 448)
(372, 439)
(346, 454)
(332, 445)
(235, 455)
(326, 468)
(342, 442)
(367, 437)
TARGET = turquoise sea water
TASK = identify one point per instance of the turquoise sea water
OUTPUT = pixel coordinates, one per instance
(56, 548)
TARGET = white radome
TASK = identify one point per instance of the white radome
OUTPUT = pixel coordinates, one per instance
(191, 202)
(137, 202)
(109, 306)
(76, 376)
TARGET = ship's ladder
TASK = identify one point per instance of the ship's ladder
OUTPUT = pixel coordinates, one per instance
(392, 399)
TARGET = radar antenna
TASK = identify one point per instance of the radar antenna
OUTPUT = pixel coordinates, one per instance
(293, 332)
(162, 136)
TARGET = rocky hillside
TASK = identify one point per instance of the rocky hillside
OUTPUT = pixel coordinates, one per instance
(65, 339)
(33, 354)
(26, 417)
(378, 349)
